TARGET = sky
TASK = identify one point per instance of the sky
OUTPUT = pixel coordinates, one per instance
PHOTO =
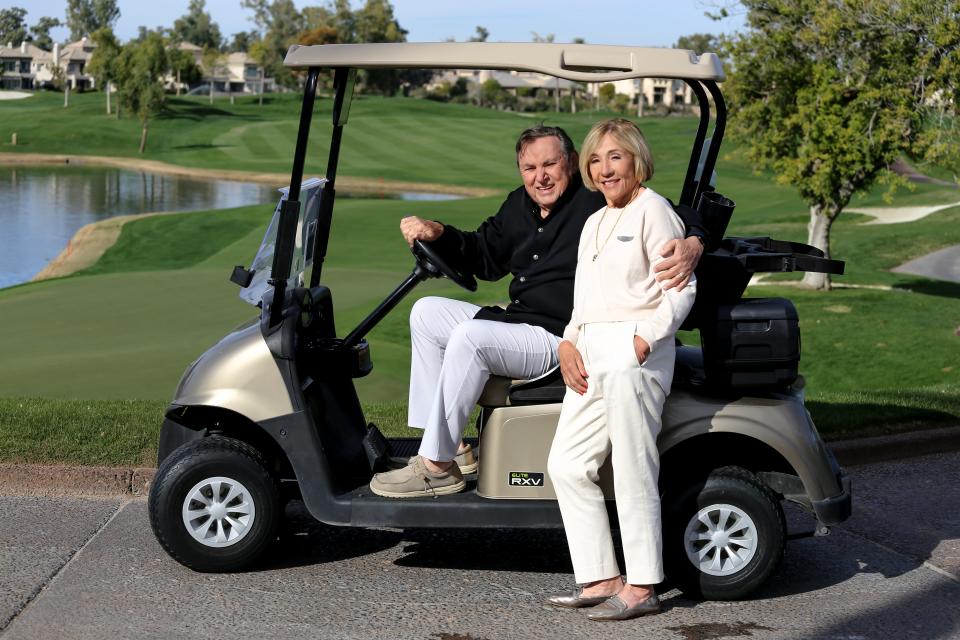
(626, 22)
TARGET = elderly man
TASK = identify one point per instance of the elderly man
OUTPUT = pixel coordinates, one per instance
(457, 346)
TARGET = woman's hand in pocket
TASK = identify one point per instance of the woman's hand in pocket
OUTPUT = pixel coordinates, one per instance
(571, 367)
(641, 348)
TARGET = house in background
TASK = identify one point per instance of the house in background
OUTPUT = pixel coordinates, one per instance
(73, 60)
(21, 64)
(531, 84)
(30, 67)
(655, 91)
(232, 73)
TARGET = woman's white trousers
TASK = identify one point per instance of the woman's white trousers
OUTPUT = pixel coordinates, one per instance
(452, 358)
(619, 416)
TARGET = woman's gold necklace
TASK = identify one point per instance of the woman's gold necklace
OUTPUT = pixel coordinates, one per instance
(596, 241)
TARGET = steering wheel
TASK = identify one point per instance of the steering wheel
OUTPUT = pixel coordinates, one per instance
(432, 262)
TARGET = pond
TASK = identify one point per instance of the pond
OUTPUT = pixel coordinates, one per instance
(42, 207)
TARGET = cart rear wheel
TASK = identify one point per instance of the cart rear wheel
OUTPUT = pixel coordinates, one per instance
(214, 506)
(723, 537)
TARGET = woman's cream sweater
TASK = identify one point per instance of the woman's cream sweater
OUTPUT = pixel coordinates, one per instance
(618, 284)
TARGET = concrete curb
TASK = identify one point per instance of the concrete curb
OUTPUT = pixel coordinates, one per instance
(46, 480)
(896, 447)
(59, 479)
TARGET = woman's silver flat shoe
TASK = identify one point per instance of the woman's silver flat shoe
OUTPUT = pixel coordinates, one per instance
(574, 599)
(613, 608)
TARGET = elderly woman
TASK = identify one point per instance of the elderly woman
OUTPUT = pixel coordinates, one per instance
(616, 358)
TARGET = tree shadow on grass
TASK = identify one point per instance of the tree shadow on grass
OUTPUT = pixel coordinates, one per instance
(202, 146)
(183, 109)
(930, 287)
(840, 419)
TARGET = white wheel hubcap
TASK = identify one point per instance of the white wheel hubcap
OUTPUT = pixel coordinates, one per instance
(720, 540)
(218, 512)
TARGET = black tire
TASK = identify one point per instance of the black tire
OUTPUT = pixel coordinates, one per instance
(191, 466)
(735, 577)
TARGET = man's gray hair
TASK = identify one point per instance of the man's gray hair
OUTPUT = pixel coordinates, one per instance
(543, 131)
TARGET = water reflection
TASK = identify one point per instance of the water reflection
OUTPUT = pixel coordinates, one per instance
(42, 207)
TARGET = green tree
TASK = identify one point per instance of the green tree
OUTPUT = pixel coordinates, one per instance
(86, 16)
(698, 43)
(278, 22)
(242, 41)
(213, 67)
(183, 66)
(606, 93)
(258, 53)
(375, 22)
(490, 92)
(103, 60)
(13, 29)
(60, 83)
(141, 66)
(828, 93)
(40, 32)
(197, 27)
(481, 35)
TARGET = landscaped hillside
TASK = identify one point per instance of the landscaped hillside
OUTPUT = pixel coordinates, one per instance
(882, 355)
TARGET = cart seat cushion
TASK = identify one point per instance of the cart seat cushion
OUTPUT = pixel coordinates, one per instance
(549, 388)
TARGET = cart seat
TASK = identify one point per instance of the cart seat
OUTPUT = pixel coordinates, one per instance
(549, 388)
(545, 389)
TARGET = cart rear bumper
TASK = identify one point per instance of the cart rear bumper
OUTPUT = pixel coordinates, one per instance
(836, 509)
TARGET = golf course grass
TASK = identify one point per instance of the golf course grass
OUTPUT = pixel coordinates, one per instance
(92, 359)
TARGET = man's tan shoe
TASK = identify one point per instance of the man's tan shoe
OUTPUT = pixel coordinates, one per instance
(466, 460)
(415, 480)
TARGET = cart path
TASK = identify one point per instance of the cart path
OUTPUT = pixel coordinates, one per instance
(893, 570)
(941, 265)
(897, 215)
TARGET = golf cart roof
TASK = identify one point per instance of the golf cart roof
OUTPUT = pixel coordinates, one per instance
(578, 62)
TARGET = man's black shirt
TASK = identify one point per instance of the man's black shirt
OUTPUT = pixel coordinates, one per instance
(541, 253)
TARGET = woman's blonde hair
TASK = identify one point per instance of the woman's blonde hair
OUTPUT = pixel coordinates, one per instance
(626, 134)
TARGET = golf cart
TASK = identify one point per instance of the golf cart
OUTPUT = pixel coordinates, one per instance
(271, 410)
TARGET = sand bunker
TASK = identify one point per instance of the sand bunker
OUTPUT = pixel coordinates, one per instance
(14, 95)
(895, 215)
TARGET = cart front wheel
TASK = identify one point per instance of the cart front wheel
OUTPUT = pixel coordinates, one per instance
(214, 506)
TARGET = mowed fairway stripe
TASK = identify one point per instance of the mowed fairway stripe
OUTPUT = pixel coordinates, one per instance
(404, 152)
(259, 142)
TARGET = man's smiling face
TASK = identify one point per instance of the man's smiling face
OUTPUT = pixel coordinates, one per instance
(545, 171)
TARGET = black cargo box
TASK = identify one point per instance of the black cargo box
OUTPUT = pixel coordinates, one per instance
(754, 343)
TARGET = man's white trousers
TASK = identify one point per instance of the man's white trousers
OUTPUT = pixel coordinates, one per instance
(452, 358)
(618, 416)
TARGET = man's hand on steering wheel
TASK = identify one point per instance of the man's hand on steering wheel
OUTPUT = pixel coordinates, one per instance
(429, 259)
(414, 228)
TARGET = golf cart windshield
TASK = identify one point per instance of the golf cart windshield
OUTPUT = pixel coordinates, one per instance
(310, 191)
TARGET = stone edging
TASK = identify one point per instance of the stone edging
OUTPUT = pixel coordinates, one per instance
(39, 479)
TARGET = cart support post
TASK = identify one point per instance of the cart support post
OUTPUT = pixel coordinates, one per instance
(719, 125)
(290, 209)
(343, 81)
(689, 186)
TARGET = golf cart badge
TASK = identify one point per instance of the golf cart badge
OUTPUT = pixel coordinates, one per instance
(526, 479)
